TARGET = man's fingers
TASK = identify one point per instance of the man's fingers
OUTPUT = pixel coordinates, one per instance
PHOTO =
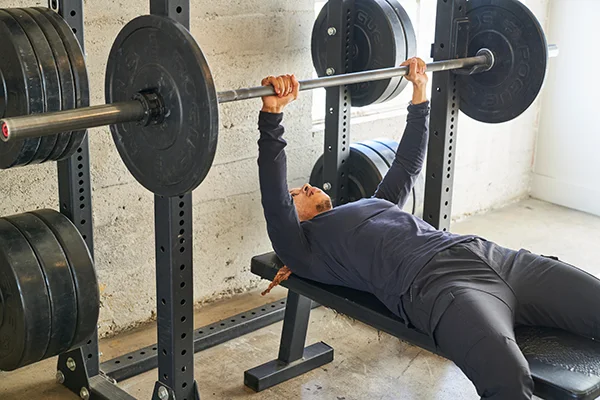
(295, 86)
(413, 68)
(266, 81)
(291, 84)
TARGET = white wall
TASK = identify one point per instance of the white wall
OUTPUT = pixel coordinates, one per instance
(567, 164)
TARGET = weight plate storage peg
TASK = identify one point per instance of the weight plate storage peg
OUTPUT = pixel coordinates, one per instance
(25, 323)
(20, 90)
(171, 157)
(379, 42)
(515, 37)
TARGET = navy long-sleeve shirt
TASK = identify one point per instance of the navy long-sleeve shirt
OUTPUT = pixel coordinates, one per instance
(369, 245)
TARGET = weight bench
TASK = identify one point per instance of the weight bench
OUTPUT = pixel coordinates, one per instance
(563, 365)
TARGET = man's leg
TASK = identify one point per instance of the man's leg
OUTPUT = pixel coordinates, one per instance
(476, 332)
(551, 293)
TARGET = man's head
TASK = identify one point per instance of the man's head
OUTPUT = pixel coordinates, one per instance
(310, 202)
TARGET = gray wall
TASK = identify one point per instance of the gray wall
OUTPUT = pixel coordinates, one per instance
(244, 40)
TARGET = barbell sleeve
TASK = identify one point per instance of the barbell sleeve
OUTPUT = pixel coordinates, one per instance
(52, 123)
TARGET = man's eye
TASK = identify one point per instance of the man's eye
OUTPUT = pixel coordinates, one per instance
(294, 194)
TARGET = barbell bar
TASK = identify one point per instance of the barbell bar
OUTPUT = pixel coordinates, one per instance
(149, 109)
(39, 125)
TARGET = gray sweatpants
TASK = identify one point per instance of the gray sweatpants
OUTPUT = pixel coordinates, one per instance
(470, 297)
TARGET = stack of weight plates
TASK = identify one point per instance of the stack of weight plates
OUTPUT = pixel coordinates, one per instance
(383, 37)
(49, 298)
(42, 69)
(369, 162)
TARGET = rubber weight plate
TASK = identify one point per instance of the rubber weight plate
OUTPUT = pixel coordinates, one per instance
(24, 304)
(82, 270)
(415, 202)
(77, 60)
(157, 53)
(379, 42)
(61, 289)
(67, 84)
(511, 31)
(410, 38)
(22, 88)
(50, 80)
(365, 171)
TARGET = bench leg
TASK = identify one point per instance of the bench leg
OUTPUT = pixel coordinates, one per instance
(294, 359)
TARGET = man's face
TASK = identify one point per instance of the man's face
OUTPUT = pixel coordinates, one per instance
(310, 202)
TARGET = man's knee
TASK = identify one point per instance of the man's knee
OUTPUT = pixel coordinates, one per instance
(500, 370)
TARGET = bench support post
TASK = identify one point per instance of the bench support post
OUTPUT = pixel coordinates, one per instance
(294, 359)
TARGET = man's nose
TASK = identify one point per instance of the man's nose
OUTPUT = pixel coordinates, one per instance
(306, 188)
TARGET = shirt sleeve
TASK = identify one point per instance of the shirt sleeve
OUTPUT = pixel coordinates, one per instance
(398, 183)
(283, 226)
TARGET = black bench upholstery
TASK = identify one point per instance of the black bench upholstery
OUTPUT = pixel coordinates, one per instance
(563, 365)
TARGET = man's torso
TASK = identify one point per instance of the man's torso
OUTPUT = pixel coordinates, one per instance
(373, 246)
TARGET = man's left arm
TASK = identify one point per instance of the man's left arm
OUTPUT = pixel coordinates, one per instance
(399, 181)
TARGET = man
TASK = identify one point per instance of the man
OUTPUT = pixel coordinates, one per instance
(463, 291)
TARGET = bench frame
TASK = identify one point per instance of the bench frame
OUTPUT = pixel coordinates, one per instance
(554, 379)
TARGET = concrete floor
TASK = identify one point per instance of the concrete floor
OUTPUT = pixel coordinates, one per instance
(367, 365)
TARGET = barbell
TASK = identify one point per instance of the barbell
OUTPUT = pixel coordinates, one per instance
(149, 107)
(162, 104)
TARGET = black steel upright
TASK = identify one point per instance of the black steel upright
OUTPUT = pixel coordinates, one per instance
(340, 30)
(451, 36)
(74, 189)
(174, 272)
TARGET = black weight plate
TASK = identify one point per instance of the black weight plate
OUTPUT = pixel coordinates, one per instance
(410, 38)
(378, 43)
(384, 152)
(61, 289)
(50, 80)
(82, 270)
(67, 84)
(365, 171)
(23, 94)
(416, 204)
(24, 303)
(511, 31)
(77, 60)
(388, 156)
(174, 157)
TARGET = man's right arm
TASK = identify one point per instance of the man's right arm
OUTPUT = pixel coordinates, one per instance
(286, 233)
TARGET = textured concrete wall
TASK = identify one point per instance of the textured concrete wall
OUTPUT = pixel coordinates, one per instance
(243, 40)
